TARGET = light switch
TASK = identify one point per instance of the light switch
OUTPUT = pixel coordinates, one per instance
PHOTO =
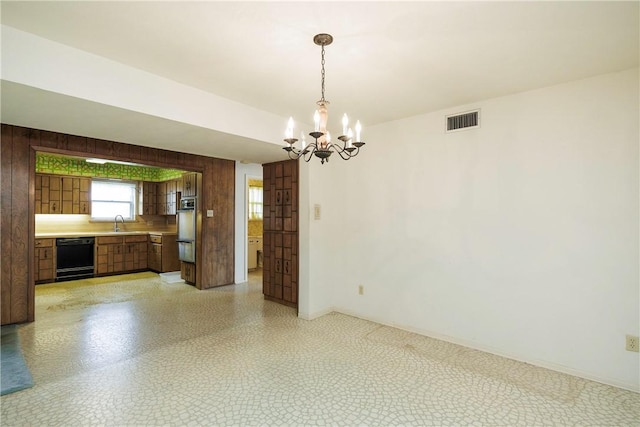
(316, 212)
(209, 213)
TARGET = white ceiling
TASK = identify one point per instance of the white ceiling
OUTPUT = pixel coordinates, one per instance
(389, 60)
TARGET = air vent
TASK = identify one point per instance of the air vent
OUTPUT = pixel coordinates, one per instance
(463, 121)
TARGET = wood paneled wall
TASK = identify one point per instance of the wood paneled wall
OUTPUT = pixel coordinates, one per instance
(215, 251)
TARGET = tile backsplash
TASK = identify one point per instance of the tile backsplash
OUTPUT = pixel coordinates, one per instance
(255, 228)
(84, 224)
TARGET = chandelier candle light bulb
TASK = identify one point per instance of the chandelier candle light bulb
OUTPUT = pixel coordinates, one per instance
(322, 147)
(289, 131)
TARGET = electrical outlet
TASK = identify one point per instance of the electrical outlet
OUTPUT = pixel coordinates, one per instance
(632, 343)
(360, 290)
(149, 222)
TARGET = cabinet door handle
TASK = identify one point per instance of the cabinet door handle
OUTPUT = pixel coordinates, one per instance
(286, 197)
(286, 267)
(53, 207)
(45, 254)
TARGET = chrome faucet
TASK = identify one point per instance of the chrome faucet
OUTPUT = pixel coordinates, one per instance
(115, 223)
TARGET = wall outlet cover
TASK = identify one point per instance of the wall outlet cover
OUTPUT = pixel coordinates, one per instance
(632, 343)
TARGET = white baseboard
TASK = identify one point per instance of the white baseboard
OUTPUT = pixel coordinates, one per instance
(473, 345)
(317, 314)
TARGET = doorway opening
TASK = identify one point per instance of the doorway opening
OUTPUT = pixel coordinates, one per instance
(254, 225)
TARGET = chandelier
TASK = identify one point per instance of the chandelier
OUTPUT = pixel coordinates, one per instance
(322, 145)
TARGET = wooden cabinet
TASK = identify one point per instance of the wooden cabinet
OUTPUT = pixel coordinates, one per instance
(171, 197)
(119, 254)
(280, 238)
(190, 184)
(62, 194)
(280, 197)
(48, 194)
(161, 198)
(110, 255)
(188, 272)
(163, 253)
(158, 198)
(135, 253)
(76, 198)
(147, 200)
(45, 265)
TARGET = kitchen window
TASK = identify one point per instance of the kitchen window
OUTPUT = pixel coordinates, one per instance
(111, 198)
(255, 202)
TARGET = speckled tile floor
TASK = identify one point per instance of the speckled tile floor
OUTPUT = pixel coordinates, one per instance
(143, 352)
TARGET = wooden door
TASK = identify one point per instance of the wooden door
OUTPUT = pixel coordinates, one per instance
(48, 194)
(154, 257)
(280, 239)
(171, 197)
(161, 198)
(84, 195)
(189, 185)
(147, 199)
(140, 256)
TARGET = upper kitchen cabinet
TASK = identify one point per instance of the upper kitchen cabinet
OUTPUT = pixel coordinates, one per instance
(161, 198)
(158, 198)
(62, 195)
(147, 201)
(171, 196)
(76, 195)
(189, 185)
(48, 194)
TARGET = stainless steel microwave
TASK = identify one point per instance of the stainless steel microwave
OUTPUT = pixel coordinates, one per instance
(188, 203)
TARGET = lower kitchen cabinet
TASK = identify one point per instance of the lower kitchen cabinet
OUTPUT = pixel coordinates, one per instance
(120, 254)
(163, 253)
(45, 266)
(135, 253)
(188, 272)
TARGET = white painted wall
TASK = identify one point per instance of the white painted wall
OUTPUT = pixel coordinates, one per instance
(319, 250)
(520, 238)
(244, 172)
(79, 74)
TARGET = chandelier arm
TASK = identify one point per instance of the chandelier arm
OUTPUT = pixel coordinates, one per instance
(343, 152)
(293, 155)
(310, 150)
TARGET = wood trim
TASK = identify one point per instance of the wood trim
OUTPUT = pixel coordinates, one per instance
(6, 155)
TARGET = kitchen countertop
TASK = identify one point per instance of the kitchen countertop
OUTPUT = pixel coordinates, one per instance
(100, 233)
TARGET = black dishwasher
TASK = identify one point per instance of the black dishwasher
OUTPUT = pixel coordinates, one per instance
(74, 258)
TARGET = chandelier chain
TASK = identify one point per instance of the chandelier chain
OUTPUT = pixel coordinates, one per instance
(322, 63)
